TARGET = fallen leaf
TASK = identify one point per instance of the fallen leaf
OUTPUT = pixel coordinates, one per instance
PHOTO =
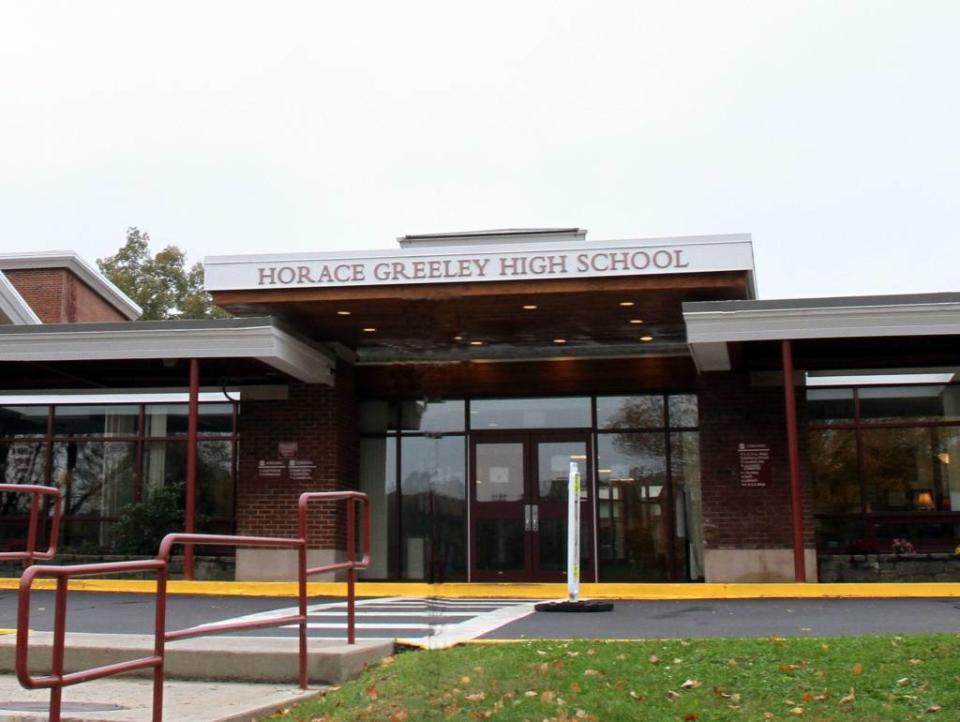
(789, 668)
(592, 673)
(691, 684)
(573, 654)
(547, 697)
(654, 659)
(797, 711)
(372, 693)
(691, 716)
(857, 669)
(529, 693)
(476, 697)
(849, 697)
(386, 660)
(916, 661)
(672, 696)
(903, 681)
(451, 710)
(558, 664)
(400, 716)
(621, 657)
(731, 662)
(574, 687)
(735, 697)
(934, 708)
(591, 652)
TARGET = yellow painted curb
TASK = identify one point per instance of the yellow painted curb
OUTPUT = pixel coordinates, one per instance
(456, 590)
(4, 630)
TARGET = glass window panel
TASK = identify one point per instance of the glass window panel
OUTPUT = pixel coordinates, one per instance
(378, 480)
(215, 487)
(926, 536)
(552, 544)
(97, 479)
(685, 472)
(631, 498)
(630, 412)
(912, 469)
(172, 419)
(501, 546)
(843, 535)
(918, 402)
(433, 416)
(553, 469)
(530, 413)
(21, 462)
(833, 464)
(96, 420)
(23, 420)
(164, 463)
(830, 406)
(433, 514)
(499, 473)
(377, 417)
(684, 411)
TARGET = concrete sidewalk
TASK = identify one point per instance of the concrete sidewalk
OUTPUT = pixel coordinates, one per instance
(128, 700)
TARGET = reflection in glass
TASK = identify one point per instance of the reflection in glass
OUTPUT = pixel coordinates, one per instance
(912, 469)
(214, 419)
(23, 421)
(685, 477)
(830, 406)
(432, 486)
(215, 490)
(684, 411)
(500, 545)
(631, 498)
(499, 472)
(630, 412)
(377, 417)
(531, 413)
(553, 468)
(917, 402)
(97, 420)
(432, 416)
(833, 463)
(378, 480)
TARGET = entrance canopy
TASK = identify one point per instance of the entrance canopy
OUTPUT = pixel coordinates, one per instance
(154, 354)
(508, 295)
(857, 332)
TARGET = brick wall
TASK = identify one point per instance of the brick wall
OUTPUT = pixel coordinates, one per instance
(57, 296)
(322, 420)
(734, 517)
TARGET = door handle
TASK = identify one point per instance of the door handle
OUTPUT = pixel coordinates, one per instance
(527, 518)
(535, 521)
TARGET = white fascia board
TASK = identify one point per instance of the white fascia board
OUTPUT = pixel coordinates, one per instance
(710, 356)
(81, 269)
(713, 253)
(922, 319)
(13, 306)
(266, 343)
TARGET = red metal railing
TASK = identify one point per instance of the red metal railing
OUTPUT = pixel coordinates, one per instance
(30, 553)
(57, 679)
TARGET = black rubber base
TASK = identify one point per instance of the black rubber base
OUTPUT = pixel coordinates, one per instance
(587, 606)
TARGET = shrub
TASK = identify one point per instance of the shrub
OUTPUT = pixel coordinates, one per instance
(142, 525)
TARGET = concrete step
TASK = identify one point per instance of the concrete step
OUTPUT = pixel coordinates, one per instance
(233, 659)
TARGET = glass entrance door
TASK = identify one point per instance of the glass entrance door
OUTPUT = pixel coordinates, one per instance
(518, 495)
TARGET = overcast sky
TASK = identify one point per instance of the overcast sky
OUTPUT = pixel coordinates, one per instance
(828, 130)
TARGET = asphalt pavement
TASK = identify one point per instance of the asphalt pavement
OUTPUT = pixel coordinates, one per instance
(458, 619)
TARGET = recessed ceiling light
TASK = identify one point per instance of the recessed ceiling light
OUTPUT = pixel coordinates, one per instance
(458, 338)
(369, 329)
(646, 338)
(476, 343)
(636, 320)
(559, 340)
(343, 313)
(626, 304)
(530, 307)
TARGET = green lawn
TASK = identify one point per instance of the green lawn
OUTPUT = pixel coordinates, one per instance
(852, 678)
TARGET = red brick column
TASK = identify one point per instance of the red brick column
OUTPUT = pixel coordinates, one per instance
(747, 530)
(322, 421)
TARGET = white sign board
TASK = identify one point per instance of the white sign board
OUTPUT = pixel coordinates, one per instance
(483, 263)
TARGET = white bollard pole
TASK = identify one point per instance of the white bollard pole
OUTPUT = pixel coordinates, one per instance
(573, 533)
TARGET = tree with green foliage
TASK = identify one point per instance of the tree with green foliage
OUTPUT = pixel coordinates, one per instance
(160, 284)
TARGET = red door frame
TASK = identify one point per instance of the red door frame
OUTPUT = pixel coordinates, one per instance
(530, 440)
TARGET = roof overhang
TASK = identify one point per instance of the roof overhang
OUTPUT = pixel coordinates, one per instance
(80, 268)
(249, 338)
(13, 307)
(713, 326)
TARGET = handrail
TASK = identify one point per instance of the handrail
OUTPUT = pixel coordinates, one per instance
(30, 554)
(57, 680)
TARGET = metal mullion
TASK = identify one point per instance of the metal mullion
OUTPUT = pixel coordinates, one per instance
(671, 502)
(138, 475)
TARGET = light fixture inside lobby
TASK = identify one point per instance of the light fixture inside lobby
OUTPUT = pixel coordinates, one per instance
(343, 313)
(369, 329)
(627, 304)
(636, 321)
(476, 343)
(646, 339)
(559, 340)
(530, 307)
(458, 338)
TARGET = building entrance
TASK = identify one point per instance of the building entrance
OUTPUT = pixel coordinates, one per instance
(518, 504)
